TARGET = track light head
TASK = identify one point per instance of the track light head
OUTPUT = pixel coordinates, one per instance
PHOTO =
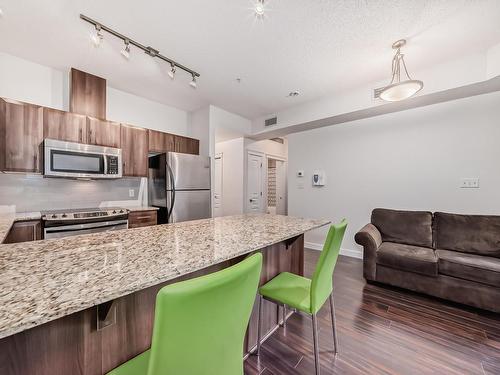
(193, 83)
(126, 50)
(171, 72)
(97, 37)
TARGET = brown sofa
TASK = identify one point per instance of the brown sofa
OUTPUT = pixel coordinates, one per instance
(455, 257)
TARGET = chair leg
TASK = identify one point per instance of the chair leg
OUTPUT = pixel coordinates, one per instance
(259, 323)
(316, 344)
(284, 316)
(334, 325)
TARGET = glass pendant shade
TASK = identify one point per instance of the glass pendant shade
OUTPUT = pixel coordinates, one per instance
(402, 90)
(399, 90)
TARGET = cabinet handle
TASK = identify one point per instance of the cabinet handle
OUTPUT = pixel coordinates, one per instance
(80, 134)
(90, 136)
(143, 217)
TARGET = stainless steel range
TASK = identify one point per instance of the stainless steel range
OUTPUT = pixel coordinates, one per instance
(64, 223)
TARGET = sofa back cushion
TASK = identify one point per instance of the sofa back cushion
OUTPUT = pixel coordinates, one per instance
(406, 227)
(477, 234)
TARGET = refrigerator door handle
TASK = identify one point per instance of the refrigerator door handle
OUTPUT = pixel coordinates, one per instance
(172, 193)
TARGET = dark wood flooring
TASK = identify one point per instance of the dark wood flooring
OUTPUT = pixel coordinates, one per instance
(383, 330)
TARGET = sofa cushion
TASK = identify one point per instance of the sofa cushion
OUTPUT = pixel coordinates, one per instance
(408, 258)
(407, 227)
(485, 270)
(478, 234)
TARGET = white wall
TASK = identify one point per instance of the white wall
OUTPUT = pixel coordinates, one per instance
(268, 147)
(407, 160)
(34, 83)
(233, 162)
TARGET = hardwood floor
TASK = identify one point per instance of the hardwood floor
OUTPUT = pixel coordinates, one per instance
(383, 330)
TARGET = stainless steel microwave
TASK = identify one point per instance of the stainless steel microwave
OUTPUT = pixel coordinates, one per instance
(76, 160)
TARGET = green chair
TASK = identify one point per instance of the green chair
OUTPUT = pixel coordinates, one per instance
(307, 295)
(200, 324)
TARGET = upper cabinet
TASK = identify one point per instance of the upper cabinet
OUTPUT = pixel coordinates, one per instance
(87, 94)
(134, 143)
(103, 133)
(21, 134)
(187, 145)
(161, 142)
(64, 126)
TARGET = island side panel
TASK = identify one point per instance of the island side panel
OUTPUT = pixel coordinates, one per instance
(72, 344)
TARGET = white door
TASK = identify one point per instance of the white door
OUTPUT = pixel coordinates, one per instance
(218, 210)
(254, 183)
(281, 197)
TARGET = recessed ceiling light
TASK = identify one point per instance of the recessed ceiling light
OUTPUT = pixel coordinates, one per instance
(1, 12)
(293, 94)
(259, 8)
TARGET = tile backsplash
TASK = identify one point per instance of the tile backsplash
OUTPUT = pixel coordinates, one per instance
(35, 193)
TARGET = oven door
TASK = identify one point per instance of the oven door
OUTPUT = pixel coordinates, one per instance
(86, 228)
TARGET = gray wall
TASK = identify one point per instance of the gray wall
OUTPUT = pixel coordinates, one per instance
(35, 193)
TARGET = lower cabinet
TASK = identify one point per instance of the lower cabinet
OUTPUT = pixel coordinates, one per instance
(23, 231)
(137, 219)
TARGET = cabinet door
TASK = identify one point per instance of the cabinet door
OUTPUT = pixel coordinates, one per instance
(134, 143)
(24, 231)
(161, 142)
(186, 145)
(103, 133)
(64, 126)
(21, 134)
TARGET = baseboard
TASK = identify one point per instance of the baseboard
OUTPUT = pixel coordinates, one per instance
(347, 252)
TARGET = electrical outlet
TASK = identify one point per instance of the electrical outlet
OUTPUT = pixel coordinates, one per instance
(469, 183)
(131, 193)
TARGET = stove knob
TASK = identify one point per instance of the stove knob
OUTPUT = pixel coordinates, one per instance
(64, 215)
(121, 211)
(114, 211)
(54, 216)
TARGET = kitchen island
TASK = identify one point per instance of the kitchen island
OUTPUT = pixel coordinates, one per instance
(85, 304)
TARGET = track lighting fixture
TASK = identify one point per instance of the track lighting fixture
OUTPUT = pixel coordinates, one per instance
(97, 36)
(399, 90)
(126, 50)
(171, 72)
(193, 83)
(259, 8)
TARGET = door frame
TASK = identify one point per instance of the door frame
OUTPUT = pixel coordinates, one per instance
(221, 156)
(285, 161)
(263, 180)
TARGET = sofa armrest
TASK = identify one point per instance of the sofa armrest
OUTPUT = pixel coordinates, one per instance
(370, 238)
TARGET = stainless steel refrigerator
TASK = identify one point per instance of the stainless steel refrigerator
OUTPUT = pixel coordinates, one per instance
(179, 184)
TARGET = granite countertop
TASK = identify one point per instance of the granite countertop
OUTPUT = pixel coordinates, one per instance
(7, 219)
(46, 280)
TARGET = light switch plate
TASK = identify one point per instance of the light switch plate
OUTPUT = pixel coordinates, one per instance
(300, 173)
(469, 183)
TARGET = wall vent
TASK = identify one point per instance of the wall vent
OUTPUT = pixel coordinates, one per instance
(377, 92)
(279, 140)
(271, 121)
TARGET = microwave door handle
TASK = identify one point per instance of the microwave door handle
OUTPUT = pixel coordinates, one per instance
(105, 165)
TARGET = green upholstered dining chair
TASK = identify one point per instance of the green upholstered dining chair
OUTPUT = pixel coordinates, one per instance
(307, 295)
(200, 324)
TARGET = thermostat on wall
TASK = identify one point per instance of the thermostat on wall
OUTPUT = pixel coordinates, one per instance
(318, 178)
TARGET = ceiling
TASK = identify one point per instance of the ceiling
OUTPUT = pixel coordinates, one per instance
(316, 47)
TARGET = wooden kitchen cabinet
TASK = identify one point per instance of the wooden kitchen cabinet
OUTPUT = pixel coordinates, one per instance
(138, 219)
(23, 231)
(187, 145)
(103, 133)
(134, 144)
(21, 134)
(64, 126)
(161, 142)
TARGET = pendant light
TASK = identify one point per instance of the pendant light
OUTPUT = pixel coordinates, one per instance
(399, 90)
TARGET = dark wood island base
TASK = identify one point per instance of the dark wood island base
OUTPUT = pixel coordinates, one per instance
(74, 344)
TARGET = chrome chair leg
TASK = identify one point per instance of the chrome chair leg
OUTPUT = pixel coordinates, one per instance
(334, 325)
(316, 344)
(259, 322)
(284, 316)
